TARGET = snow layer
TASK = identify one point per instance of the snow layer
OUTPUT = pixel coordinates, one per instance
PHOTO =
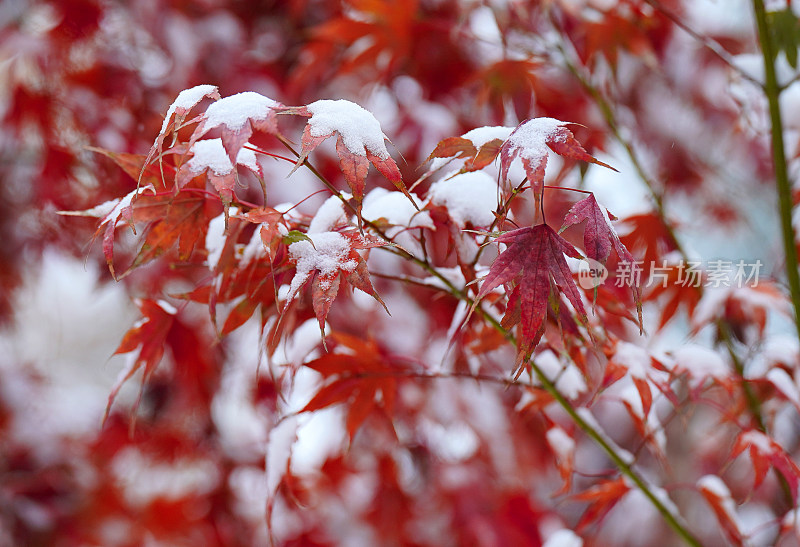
(215, 238)
(330, 215)
(210, 154)
(468, 197)
(234, 111)
(186, 99)
(567, 378)
(396, 208)
(144, 479)
(328, 254)
(481, 135)
(359, 129)
(563, 538)
(701, 363)
(531, 137)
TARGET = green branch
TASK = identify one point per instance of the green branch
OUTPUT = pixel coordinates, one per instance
(784, 188)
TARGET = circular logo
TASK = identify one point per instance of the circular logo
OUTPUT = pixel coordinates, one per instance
(591, 273)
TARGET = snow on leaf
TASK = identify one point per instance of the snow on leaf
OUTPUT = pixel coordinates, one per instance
(563, 538)
(326, 258)
(701, 363)
(184, 102)
(112, 213)
(209, 156)
(360, 142)
(719, 498)
(563, 448)
(278, 460)
(238, 116)
(468, 197)
(601, 497)
(530, 142)
(785, 384)
(765, 452)
(330, 215)
(394, 208)
(534, 263)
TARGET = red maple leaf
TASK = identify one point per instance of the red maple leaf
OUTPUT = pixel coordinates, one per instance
(360, 142)
(531, 140)
(719, 498)
(534, 263)
(599, 238)
(602, 497)
(358, 373)
(765, 452)
(325, 258)
(183, 103)
(149, 336)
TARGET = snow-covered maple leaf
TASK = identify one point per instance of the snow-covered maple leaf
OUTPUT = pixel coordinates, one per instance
(209, 157)
(530, 142)
(325, 258)
(361, 142)
(180, 107)
(718, 496)
(533, 263)
(477, 147)
(112, 213)
(238, 116)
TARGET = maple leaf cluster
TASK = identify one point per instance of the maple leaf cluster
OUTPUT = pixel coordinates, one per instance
(363, 273)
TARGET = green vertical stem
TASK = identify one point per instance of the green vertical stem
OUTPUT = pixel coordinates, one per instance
(772, 91)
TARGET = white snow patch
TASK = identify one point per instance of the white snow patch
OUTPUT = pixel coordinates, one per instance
(358, 127)
(530, 138)
(187, 99)
(328, 254)
(144, 479)
(560, 442)
(453, 443)
(757, 439)
(454, 275)
(785, 384)
(234, 111)
(468, 197)
(255, 247)
(632, 357)
(481, 135)
(215, 239)
(563, 538)
(330, 215)
(396, 208)
(210, 154)
(282, 438)
(167, 307)
(700, 362)
(567, 378)
(56, 370)
(112, 209)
